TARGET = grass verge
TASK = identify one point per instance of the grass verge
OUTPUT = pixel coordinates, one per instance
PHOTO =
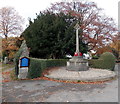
(7, 66)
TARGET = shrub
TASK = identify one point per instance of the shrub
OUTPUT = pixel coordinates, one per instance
(13, 76)
(106, 61)
(95, 57)
(37, 66)
(55, 62)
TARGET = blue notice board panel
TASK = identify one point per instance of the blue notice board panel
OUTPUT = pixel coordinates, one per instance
(24, 62)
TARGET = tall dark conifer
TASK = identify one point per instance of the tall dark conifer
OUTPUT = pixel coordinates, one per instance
(52, 35)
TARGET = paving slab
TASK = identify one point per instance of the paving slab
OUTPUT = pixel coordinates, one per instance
(90, 75)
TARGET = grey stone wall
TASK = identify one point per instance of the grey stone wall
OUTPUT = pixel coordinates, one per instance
(25, 50)
(25, 53)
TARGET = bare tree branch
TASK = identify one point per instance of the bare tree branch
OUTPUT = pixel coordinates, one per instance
(10, 22)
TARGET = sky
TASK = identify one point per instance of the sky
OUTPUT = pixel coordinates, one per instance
(29, 8)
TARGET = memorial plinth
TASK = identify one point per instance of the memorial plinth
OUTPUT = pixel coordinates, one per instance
(77, 63)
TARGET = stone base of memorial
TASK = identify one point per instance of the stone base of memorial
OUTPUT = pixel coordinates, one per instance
(23, 73)
(77, 63)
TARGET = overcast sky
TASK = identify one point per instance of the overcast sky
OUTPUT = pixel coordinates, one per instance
(28, 8)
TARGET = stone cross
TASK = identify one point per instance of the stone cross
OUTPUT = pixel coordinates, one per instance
(77, 38)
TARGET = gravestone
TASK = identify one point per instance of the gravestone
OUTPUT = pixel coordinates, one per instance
(1, 60)
(24, 63)
(5, 60)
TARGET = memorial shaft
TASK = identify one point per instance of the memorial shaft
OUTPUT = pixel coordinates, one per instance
(77, 41)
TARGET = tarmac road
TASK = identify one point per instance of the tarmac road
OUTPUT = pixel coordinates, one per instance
(50, 91)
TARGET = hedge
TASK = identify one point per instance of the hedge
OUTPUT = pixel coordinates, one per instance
(106, 61)
(37, 66)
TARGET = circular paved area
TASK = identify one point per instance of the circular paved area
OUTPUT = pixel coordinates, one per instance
(86, 76)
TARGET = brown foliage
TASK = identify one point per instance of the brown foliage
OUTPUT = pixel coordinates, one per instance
(116, 44)
(103, 49)
(96, 29)
(9, 46)
(10, 22)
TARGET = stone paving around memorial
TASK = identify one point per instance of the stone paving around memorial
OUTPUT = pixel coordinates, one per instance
(90, 75)
(50, 91)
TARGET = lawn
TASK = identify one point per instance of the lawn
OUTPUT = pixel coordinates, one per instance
(6, 66)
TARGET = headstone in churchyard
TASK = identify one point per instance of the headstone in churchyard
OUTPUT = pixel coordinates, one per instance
(1, 60)
(24, 63)
(5, 60)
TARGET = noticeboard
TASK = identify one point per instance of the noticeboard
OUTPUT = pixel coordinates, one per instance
(24, 62)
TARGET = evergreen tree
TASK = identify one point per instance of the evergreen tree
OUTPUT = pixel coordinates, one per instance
(52, 35)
